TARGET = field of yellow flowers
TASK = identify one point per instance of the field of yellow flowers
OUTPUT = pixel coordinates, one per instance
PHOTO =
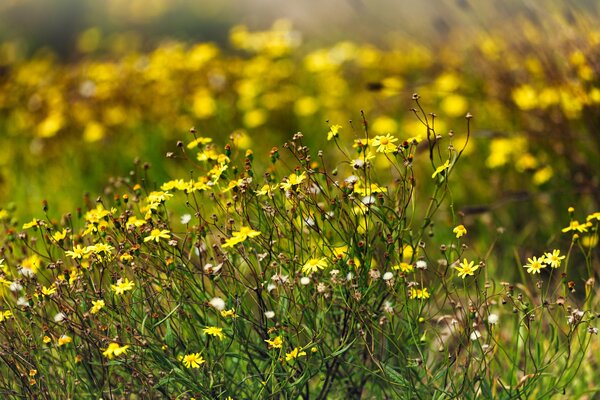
(275, 220)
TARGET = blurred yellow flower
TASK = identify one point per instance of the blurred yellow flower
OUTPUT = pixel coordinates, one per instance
(297, 352)
(535, 265)
(275, 343)
(193, 360)
(122, 285)
(466, 268)
(158, 234)
(114, 350)
(460, 230)
(97, 305)
(314, 264)
(214, 331)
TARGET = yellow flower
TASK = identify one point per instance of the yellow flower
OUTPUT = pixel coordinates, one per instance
(460, 230)
(114, 350)
(385, 144)
(333, 132)
(193, 360)
(47, 291)
(238, 237)
(34, 222)
(292, 180)
(276, 343)
(58, 236)
(4, 315)
(214, 331)
(157, 234)
(46, 339)
(314, 264)
(441, 168)
(404, 267)
(553, 258)
(228, 313)
(122, 285)
(78, 252)
(97, 305)
(575, 226)
(64, 339)
(419, 293)
(466, 268)
(535, 265)
(294, 354)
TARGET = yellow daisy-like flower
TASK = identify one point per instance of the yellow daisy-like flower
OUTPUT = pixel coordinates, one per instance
(157, 234)
(441, 169)
(297, 352)
(460, 230)
(314, 264)
(385, 144)
(193, 360)
(114, 350)
(535, 265)
(77, 253)
(575, 226)
(4, 315)
(34, 222)
(466, 268)
(64, 339)
(238, 237)
(419, 293)
(58, 236)
(333, 132)
(214, 331)
(292, 180)
(404, 267)
(97, 305)
(122, 285)
(48, 291)
(228, 313)
(275, 343)
(554, 258)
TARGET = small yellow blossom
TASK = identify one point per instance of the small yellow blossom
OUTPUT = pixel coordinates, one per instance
(466, 268)
(554, 258)
(193, 360)
(419, 293)
(385, 144)
(228, 313)
(214, 331)
(292, 180)
(64, 339)
(122, 285)
(275, 343)
(4, 315)
(97, 305)
(46, 339)
(294, 354)
(114, 350)
(460, 230)
(58, 236)
(48, 291)
(314, 264)
(441, 169)
(77, 253)
(404, 267)
(34, 222)
(158, 234)
(238, 237)
(333, 132)
(575, 226)
(535, 265)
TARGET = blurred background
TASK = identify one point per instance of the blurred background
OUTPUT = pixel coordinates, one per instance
(87, 87)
